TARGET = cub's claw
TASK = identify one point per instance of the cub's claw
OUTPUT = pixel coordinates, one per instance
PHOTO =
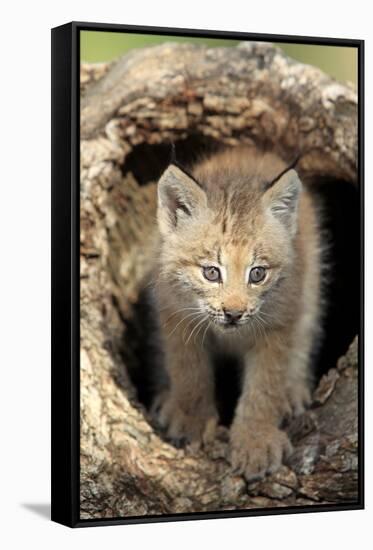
(258, 452)
(192, 425)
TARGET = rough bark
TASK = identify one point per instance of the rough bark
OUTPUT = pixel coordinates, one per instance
(254, 94)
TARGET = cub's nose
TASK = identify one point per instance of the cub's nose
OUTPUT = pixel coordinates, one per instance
(232, 315)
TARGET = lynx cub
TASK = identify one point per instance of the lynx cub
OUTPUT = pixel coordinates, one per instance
(238, 270)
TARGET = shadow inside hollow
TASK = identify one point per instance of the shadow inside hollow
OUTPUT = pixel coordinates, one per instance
(41, 509)
(339, 205)
(338, 202)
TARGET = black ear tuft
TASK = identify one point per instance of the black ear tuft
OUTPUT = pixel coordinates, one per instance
(173, 153)
(178, 196)
(287, 169)
(282, 199)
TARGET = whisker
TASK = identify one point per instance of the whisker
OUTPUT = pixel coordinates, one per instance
(180, 310)
(255, 328)
(206, 329)
(194, 310)
(200, 329)
(179, 323)
(261, 327)
(197, 325)
(197, 316)
(267, 315)
(264, 326)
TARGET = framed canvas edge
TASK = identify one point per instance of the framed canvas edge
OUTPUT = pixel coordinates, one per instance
(65, 207)
(65, 276)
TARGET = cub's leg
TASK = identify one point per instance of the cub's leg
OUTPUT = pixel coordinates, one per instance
(188, 410)
(307, 333)
(271, 391)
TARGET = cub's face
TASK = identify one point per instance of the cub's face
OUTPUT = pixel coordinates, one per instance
(224, 257)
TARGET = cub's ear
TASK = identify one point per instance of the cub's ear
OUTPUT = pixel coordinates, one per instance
(179, 198)
(282, 199)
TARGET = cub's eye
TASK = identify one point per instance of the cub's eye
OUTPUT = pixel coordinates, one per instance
(257, 275)
(212, 273)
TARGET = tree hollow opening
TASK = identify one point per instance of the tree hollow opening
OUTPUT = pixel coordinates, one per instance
(340, 226)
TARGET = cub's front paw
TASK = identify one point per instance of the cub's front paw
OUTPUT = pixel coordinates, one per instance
(299, 398)
(258, 451)
(193, 424)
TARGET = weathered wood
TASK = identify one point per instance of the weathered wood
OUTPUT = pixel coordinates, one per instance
(254, 94)
(251, 92)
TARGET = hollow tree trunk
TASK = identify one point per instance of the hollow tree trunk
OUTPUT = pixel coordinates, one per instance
(253, 94)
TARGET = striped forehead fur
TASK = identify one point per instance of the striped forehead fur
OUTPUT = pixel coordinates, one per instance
(234, 188)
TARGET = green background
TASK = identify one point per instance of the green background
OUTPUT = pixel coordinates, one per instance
(98, 46)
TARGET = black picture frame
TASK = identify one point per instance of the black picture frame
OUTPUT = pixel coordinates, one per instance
(65, 269)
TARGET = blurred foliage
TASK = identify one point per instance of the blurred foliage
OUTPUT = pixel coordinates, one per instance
(339, 62)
